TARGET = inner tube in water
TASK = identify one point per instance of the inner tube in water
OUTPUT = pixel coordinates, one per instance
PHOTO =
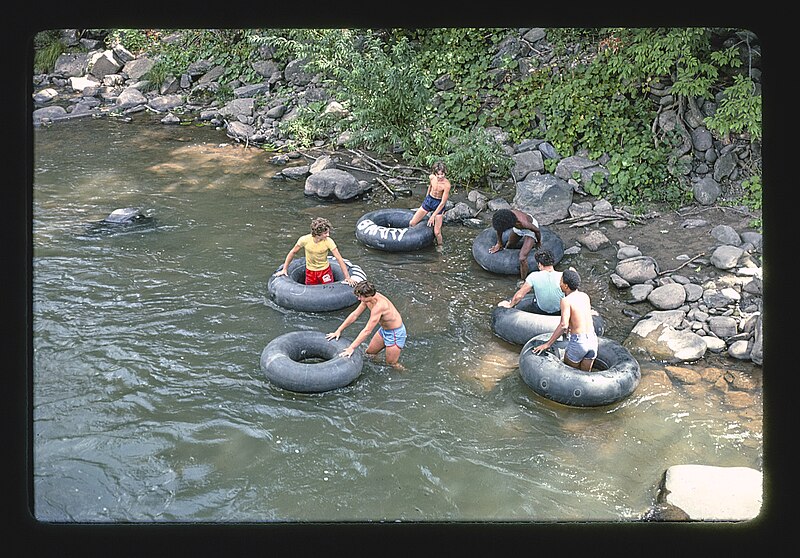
(506, 261)
(517, 325)
(614, 376)
(388, 230)
(282, 361)
(290, 291)
(123, 220)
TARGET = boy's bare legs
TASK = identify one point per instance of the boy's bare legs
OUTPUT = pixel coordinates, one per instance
(418, 215)
(524, 251)
(376, 345)
(393, 356)
(437, 228)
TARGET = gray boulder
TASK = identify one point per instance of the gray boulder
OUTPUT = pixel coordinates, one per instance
(164, 103)
(726, 257)
(711, 493)
(239, 130)
(321, 163)
(237, 107)
(725, 234)
(137, 68)
(459, 213)
(71, 65)
(663, 342)
(706, 190)
(672, 318)
(104, 63)
(130, 97)
(667, 297)
(639, 269)
(594, 240)
(525, 163)
(722, 326)
(48, 113)
(334, 183)
(724, 166)
(295, 73)
(546, 197)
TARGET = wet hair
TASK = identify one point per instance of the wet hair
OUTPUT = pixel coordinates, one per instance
(545, 257)
(319, 225)
(438, 166)
(571, 279)
(503, 219)
(364, 288)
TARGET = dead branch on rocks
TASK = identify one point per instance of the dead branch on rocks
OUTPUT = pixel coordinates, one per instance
(617, 215)
(392, 192)
(382, 167)
(687, 262)
(695, 210)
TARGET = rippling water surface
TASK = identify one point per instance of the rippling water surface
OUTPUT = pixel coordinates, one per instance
(149, 403)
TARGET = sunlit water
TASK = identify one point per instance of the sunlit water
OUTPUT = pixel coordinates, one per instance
(149, 403)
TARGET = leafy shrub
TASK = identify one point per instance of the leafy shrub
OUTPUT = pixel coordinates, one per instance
(739, 110)
(47, 48)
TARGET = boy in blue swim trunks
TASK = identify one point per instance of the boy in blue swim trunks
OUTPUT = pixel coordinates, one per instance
(435, 201)
(576, 319)
(391, 334)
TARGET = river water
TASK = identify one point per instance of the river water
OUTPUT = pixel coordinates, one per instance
(149, 404)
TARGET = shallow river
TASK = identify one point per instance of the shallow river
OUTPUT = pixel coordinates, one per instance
(149, 403)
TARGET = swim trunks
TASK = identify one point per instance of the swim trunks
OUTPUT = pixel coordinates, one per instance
(430, 203)
(396, 336)
(320, 277)
(581, 346)
(316, 253)
(527, 232)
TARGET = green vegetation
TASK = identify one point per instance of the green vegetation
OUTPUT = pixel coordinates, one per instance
(47, 48)
(431, 94)
(229, 48)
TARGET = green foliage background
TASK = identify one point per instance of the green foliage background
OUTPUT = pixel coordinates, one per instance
(593, 95)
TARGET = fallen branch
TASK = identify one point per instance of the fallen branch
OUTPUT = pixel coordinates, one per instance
(687, 262)
(394, 195)
(584, 220)
(380, 165)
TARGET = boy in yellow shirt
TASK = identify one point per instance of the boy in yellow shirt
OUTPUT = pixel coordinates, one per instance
(316, 246)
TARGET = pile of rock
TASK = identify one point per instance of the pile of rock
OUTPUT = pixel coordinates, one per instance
(718, 310)
(691, 315)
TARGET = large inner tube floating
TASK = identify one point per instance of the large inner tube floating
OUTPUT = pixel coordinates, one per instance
(614, 376)
(506, 261)
(388, 230)
(291, 291)
(307, 362)
(123, 220)
(517, 325)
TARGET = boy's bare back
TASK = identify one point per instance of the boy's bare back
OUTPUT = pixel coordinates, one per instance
(580, 312)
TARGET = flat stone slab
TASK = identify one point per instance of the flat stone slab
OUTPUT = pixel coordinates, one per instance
(709, 493)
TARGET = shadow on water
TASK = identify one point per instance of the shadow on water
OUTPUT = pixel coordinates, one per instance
(149, 404)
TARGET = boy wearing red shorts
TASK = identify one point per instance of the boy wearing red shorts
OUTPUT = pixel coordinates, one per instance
(316, 246)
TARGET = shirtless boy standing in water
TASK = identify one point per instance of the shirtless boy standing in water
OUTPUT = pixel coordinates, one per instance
(576, 318)
(435, 201)
(391, 334)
